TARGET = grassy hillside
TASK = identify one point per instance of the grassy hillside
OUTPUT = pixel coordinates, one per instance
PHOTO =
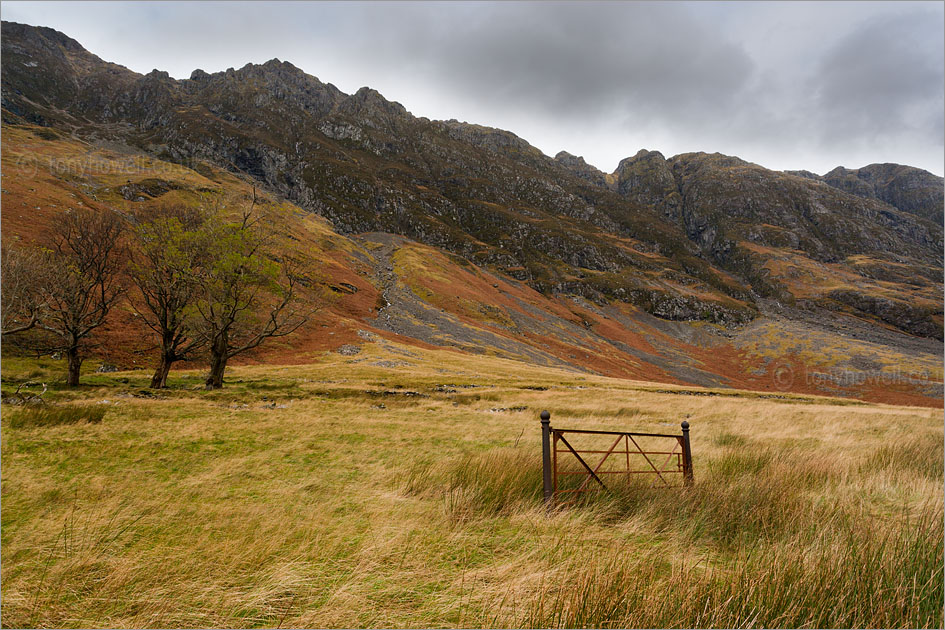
(400, 487)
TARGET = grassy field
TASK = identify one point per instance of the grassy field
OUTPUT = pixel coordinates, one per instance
(401, 487)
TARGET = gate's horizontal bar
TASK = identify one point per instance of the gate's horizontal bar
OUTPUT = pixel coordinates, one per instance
(577, 450)
(617, 472)
(662, 435)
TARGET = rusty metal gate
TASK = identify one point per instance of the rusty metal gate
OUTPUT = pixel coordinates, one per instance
(635, 454)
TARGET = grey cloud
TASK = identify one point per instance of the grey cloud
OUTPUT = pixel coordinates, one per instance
(883, 78)
(574, 60)
(862, 80)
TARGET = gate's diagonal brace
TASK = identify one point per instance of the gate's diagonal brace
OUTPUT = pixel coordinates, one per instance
(647, 460)
(669, 457)
(604, 459)
(583, 463)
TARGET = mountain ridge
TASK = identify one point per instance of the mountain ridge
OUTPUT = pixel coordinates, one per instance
(694, 237)
(17, 29)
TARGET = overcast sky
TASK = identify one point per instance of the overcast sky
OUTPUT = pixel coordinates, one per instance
(789, 85)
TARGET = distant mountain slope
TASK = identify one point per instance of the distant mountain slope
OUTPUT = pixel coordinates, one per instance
(695, 237)
(387, 287)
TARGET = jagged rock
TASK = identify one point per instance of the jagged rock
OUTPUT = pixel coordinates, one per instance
(582, 169)
(904, 187)
(806, 175)
(647, 179)
(915, 319)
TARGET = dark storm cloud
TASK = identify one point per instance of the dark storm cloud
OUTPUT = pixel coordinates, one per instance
(572, 60)
(788, 85)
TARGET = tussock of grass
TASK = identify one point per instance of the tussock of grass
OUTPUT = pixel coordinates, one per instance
(794, 560)
(471, 399)
(499, 481)
(730, 439)
(268, 386)
(54, 415)
(922, 454)
(740, 499)
(624, 413)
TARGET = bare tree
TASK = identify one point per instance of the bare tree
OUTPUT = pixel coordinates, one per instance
(247, 295)
(85, 285)
(23, 273)
(170, 248)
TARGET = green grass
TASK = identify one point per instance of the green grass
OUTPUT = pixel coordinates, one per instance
(50, 416)
(291, 498)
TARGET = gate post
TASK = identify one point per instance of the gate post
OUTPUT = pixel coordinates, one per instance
(546, 456)
(687, 454)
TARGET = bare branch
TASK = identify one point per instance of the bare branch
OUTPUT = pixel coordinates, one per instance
(81, 280)
(23, 272)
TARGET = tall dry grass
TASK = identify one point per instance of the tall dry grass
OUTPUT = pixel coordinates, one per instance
(343, 494)
(787, 552)
(850, 575)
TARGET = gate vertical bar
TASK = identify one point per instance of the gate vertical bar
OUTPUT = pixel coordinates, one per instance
(546, 456)
(554, 462)
(687, 454)
(626, 445)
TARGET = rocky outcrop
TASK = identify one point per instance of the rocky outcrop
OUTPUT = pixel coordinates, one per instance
(720, 200)
(741, 215)
(907, 188)
(725, 198)
(806, 175)
(920, 320)
(576, 164)
(495, 140)
(647, 179)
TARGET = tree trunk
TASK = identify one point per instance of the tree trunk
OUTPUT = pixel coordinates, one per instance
(217, 367)
(159, 380)
(75, 364)
(218, 360)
